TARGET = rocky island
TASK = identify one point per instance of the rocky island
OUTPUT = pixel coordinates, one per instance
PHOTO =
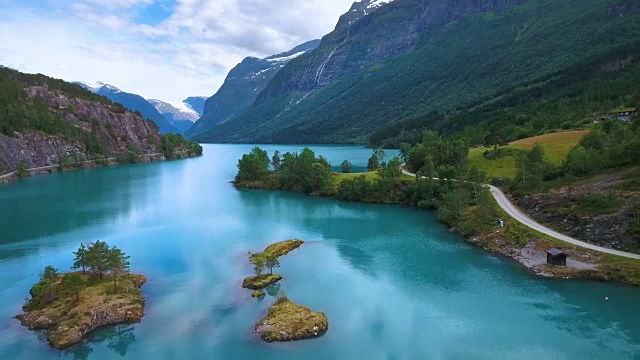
(72, 305)
(268, 259)
(287, 321)
(260, 281)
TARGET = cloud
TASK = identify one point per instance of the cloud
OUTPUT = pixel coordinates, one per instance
(159, 49)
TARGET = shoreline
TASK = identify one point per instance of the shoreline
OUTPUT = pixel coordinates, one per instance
(89, 164)
(531, 254)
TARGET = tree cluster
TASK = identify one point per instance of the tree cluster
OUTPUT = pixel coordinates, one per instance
(99, 259)
(264, 261)
(302, 171)
(437, 157)
(172, 143)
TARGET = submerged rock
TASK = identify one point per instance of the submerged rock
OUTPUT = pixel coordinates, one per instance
(288, 321)
(258, 294)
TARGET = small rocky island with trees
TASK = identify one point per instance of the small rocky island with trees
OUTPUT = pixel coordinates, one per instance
(286, 320)
(72, 305)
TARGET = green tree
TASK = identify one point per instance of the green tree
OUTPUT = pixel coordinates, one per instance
(80, 259)
(475, 179)
(49, 273)
(321, 177)
(97, 258)
(118, 264)
(74, 284)
(21, 169)
(373, 164)
(453, 206)
(271, 262)
(405, 150)
(428, 168)
(253, 166)
(275, 161)
(259, 263)
(635, 215)
(346, 167)
(392, 170)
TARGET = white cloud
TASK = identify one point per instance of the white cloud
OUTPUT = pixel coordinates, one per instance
(188, 53)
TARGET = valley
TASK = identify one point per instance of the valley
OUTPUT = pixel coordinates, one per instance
(465, 175)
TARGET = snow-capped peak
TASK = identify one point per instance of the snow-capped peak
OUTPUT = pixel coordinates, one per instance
(111, 88)
(92, 86)
(97, 85)
(375, 3)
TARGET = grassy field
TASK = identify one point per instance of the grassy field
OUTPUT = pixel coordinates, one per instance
(339, 178)
(556, 146)
(371, 175)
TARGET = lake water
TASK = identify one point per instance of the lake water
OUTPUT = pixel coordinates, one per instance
(392, 281)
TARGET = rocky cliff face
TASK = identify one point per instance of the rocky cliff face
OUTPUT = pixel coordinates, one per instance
(241, 87)
(113, 127)
(138, 103)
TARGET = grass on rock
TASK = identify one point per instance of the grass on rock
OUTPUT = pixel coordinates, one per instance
(287, 321)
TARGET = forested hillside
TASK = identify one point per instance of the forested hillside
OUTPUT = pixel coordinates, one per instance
(411, 65)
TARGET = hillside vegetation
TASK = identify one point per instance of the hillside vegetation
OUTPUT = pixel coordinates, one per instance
(502, 163)
(501, 75)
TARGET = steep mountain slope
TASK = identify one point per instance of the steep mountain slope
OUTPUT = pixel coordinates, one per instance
(196, 103)
(241, 87)
(44, 122)
(181, 116)
(133, 102)
(408, 58)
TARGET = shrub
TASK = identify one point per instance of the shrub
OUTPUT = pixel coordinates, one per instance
(22, 170)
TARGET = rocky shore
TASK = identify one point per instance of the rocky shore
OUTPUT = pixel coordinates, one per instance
(70, 317)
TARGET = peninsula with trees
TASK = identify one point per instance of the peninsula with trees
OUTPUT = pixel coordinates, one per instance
(450, 179)
(102, 292)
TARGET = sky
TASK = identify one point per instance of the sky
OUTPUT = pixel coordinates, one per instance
(160, 49)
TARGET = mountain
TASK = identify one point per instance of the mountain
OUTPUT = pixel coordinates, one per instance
(180, 115)
(45, 121)
(196, 103)
(241, 87)
(133, 102)
(386, 63)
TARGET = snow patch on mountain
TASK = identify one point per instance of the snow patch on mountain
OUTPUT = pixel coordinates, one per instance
(178, 109)
(285, 58)
(186, 108)
(374, 3)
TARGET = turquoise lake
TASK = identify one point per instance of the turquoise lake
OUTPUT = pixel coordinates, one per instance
(394, 283)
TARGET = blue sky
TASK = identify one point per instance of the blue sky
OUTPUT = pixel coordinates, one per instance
(162, 49)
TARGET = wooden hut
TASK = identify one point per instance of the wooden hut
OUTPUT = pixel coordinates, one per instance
(556, 257)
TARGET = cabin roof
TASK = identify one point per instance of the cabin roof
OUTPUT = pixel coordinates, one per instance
(556, 252)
